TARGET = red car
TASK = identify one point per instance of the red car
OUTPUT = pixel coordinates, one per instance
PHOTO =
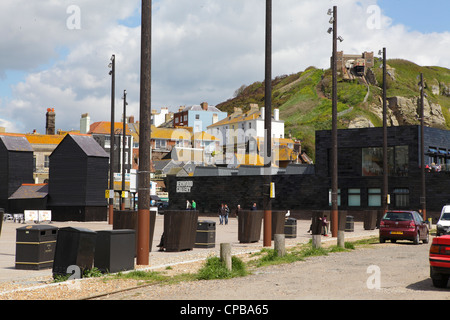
(403, 225)
(440, 261)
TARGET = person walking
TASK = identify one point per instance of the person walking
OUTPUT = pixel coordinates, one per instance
(227, 212)
(221, 213)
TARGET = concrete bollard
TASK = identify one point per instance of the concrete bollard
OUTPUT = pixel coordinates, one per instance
(316, 241)
(225, 254)
(341, 238)
(280, 245)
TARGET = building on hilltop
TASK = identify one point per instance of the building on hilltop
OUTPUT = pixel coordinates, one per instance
(199, 117)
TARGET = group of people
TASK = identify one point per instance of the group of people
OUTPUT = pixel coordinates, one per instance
(191, 205)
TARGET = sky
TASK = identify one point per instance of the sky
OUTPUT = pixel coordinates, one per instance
(55, 53)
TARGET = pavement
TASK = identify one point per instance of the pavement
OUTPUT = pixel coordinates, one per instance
(224, 234)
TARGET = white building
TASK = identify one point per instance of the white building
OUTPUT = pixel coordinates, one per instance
(235, 131)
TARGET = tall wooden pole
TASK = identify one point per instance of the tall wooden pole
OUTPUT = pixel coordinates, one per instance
(124, 137)
(267, 239)
(423, 200)
(334, 178)
(143, 233)
(385, 147)
(112, 143)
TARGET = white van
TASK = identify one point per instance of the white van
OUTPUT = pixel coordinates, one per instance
(443, 225)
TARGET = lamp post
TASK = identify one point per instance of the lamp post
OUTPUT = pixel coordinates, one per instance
(143, 233)
(334, 178)
(385, 148)
(122, 205)
(423, 201)
(267, 206)
(112, 73)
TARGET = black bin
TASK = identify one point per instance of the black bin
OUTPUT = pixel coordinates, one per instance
(128, 219)
(35, 247)
(74, 247)
(115, 250)
(2, 214)
(290, 228)
(206, 234)
(278, 222)
(249, 225)
(349, 224)
(180, 228)
(370, 219)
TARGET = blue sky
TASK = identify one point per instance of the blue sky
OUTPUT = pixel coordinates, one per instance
(203, 50)
(424, 16)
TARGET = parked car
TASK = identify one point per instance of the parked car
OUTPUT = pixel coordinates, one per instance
(440, 261)
(443, 225)
(403, 225)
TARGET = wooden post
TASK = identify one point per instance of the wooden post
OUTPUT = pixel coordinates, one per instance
(225, 254)
(279, 244)
(316, 241)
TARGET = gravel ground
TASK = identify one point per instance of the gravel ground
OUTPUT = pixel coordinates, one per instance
(403, 270)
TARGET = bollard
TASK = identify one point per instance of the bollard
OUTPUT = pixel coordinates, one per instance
(225, 255)
(280, 246)
(341, 238)
(316, 241)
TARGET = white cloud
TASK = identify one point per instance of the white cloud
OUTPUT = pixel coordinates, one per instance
(202, 51)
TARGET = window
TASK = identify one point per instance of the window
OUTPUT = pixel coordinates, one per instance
(372, 161)
(354, 197)
(401, 197)
(107, 141)
(47, 162)
(374, 197)
(338, 197)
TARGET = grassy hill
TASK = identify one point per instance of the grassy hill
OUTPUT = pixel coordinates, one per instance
(304, 98)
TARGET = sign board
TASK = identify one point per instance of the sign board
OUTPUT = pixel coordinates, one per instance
(38, 215)
(109, 194)
(184, 186)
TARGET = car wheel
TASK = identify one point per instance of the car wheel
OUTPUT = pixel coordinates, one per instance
(427, 239)
(440, 281)
(417, 238)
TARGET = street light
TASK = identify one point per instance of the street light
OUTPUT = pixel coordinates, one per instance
(122, 205)
(334, 178)
(267, 205)
(112, 73)
(423, 201)
(385, 149)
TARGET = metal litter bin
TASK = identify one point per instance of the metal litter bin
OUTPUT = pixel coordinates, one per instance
(249, 225)
(349, 224)
(74, 247)
(35, 247)
(290, 228)
(114, 250)
(180, 228)
(206, 234)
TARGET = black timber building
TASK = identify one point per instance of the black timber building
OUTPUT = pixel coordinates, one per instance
(302, 188)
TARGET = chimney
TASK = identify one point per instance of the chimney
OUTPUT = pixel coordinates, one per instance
(50, 122)
(180, 109)
(85, 123)
(204, 106)
(276, 114)
(131, 119)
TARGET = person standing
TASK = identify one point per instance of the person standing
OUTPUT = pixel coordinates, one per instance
(188, 205)
(221, 213)
(253, 208)
(194, 205)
